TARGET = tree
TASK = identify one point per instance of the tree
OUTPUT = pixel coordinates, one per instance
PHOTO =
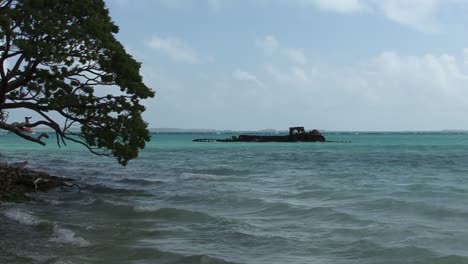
(61, 58)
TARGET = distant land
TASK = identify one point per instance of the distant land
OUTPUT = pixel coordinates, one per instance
(454, 131)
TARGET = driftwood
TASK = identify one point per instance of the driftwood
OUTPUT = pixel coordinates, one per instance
(16, 181)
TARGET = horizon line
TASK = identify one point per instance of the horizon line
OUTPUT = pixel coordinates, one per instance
(282, 130)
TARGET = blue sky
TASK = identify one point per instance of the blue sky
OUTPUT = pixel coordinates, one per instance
(327, 64)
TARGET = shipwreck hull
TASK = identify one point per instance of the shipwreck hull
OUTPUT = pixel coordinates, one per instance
(296, 134)
(287, 138)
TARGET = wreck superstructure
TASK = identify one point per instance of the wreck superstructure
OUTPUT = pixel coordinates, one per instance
(296, 134)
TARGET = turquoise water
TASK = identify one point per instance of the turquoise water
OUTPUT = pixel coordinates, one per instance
(384, 198)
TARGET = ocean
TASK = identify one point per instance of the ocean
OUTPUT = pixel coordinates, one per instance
(383, 198)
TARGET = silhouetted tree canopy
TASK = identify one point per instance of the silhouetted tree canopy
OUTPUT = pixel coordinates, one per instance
(60, 59)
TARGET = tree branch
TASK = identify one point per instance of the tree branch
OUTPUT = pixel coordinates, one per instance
(15, 129)
(27, 105)
(28, 74)
(15, 69)
(92, 150)
(2, 61)
(40, 110)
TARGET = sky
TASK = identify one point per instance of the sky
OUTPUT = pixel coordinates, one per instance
(367, 65)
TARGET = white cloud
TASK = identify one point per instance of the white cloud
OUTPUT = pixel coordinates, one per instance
(246, 76)
(175, 49)
(296, 56)
(269, 44)
(437, 75)
(418, 14)
(388, 91)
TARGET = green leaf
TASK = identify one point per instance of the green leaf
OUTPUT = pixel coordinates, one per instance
(70, 51)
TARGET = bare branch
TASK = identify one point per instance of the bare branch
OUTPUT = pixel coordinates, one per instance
(16, 98)
(27, 105)
(27, 76)
(35, 124)
(2, 61)
(11, 55)
(15, 69)
(15, 129)
(40, 110)
(92, 150)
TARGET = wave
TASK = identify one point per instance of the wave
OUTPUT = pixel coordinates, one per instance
(422, 208)
(14, 256)
(66, 236)
(103, 189)
(123, 209)
(451, 259)
(23, 217)
(378, 253)
(430, 189)
(280, 209)
(323, 213)
(148, 253)
(316, 193)
(201, 259)
(366, 249)
(59, 235)
(200, 176)
(112, 207)
(224, 171)
(58, 161)
(175, 214)
(143, 182)
(256, 238)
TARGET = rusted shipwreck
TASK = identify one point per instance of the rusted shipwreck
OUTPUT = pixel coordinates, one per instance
(296, 134)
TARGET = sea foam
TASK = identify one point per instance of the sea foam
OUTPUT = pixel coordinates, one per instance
(66, 236)
(22, 217)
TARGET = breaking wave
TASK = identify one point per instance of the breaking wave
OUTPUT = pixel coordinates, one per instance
(66, 236)
(22, 217)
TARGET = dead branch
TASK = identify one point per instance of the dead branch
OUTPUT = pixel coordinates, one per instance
(15, 128)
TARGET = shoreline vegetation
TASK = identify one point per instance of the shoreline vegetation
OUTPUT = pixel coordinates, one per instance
(16, 182)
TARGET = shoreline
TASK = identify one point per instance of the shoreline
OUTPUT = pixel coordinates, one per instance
(16, 182)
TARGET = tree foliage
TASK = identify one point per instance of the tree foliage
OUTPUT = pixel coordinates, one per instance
(61, 56)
